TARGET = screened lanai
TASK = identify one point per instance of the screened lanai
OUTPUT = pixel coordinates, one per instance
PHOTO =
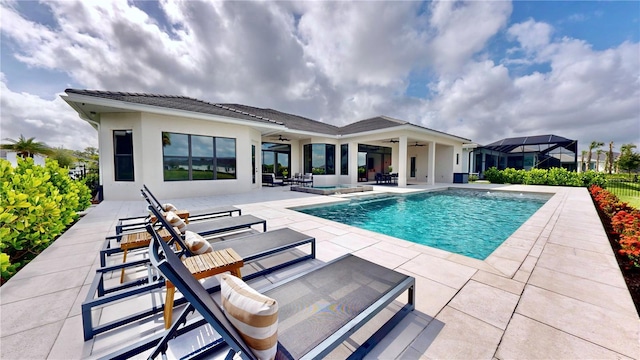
(528, 152)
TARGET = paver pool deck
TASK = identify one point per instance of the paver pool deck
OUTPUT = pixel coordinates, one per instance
(551, 290)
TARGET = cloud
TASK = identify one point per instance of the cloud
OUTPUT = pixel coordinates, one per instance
(462, 29)
(336, 62)
(49, 121)
(587, 95)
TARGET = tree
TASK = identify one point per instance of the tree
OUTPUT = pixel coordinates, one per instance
(610, 158)
(594, 145)
(27, 147)
(628, 160)
(584, 167)
(64, 157)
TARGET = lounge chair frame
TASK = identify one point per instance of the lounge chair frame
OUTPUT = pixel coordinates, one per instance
(138, 223)
(153, 282)
(199, 299)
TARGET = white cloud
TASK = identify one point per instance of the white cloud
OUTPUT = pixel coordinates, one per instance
(49, 121)
(333, 61)
(462, 29)
(532, 35)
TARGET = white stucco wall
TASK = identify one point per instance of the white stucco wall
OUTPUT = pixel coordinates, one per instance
(148, 159)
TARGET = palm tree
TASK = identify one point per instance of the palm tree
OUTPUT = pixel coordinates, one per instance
(584, 167)
(594, 145)
(610, 158)
(27, 147)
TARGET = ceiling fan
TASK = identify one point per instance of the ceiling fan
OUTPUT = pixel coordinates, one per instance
(392, 141)
(280, 138)
(416, 144)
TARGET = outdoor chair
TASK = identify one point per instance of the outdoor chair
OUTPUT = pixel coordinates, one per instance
(321, 308)
(139, 222)
(251, 248)
(204, 226)
(136, 224)
(306, 180)
(271, 180)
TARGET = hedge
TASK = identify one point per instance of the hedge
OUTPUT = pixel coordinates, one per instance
(37, 203)
(553, 176)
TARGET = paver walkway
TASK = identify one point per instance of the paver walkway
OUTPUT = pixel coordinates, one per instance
(552, 290)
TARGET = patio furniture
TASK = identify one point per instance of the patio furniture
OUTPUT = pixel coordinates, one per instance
(140, 240)
(139, 222)
(306, 180)
(203, 266)
(251, 248)
(271, 180)
(304, 303)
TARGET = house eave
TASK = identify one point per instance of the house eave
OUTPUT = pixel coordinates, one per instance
(83, 105)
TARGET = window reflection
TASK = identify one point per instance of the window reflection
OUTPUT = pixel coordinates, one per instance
(197, 157)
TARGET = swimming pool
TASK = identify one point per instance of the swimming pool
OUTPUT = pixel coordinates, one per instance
(467, 222)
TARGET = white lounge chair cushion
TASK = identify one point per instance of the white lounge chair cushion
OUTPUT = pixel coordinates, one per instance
(169, 207)
(175, 221)
(254, 315)
(196, 243)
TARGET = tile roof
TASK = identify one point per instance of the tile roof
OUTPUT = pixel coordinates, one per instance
(174, 102)
(374, 123)
(293, 122)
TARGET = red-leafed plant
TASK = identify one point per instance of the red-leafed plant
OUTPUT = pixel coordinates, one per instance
(623, 220)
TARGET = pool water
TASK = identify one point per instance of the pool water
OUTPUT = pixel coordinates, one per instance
(467, 222)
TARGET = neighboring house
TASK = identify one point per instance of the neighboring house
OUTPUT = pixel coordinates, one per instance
(183, 147)
(598, 164)
(12, 157)
(527, 152)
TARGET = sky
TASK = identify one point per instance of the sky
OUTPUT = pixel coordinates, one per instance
(482, 70)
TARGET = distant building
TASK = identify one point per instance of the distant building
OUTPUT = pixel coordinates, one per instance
(528, 152)
(12, 157)
(597, 163)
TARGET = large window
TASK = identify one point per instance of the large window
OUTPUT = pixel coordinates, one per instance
(196, 157)
(319, 159)
(123, 155)
(276, 158)
(344, 159)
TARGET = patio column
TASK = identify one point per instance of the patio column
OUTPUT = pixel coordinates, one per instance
(431, 163)
(353, 162)
(402, 162)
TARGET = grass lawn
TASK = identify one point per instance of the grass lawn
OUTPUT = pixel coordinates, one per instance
(628, 192)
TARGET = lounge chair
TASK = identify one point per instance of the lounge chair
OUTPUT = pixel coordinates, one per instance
(252, 248)
(206, 224)
(321, 308)
(139, 222)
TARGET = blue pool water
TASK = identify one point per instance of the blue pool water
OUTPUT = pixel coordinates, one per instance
(468, 222)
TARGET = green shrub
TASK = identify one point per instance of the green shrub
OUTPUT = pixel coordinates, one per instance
(494, 175)
(36, 205)
(536, 177)
(513, 176)
(563, 177)
(591, 177)
(553, 176)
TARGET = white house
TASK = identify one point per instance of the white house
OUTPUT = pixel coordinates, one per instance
(12, 157)
(183, 147)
